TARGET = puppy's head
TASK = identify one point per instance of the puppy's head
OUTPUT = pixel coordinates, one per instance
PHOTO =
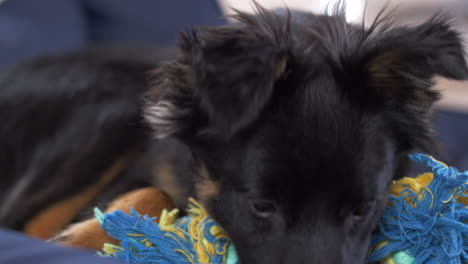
(298, 122)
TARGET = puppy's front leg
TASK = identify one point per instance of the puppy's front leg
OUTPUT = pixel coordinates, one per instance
(88, 234)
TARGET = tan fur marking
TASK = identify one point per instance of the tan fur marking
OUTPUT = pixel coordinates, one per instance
(381, 75)
(149, 200)
(88, 234)
(51, 220)
(166, 179)
(280, 67)
(206, 189)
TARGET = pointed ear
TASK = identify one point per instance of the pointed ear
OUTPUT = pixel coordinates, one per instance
(235, 72)
(400, 70)
(223, 79)
(405, 57)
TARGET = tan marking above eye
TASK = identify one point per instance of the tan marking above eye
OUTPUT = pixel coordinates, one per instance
(280, 67)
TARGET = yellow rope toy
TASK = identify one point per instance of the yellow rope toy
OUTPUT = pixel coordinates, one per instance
(425, 221)
(195, 238)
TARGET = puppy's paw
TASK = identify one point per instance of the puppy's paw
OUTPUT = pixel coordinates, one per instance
(88, 234)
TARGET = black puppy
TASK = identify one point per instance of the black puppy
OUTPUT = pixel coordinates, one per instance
(72, 134)
(297, 123)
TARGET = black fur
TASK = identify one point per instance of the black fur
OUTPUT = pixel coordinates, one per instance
(66, 119)
(301, 120)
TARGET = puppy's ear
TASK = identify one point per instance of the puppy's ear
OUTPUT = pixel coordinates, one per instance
(235, 74)
(405, 59)
(400, 69)
(223, 78)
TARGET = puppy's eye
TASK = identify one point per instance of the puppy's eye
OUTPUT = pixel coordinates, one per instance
(361, 213)
(263, 208)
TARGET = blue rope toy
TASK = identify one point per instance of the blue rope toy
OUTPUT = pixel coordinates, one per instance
(192, 239)
(424, 223)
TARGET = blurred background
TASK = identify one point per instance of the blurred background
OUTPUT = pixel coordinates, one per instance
(35, 28)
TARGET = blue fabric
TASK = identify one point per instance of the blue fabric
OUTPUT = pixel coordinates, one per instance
(452, 130)
(16, 248)
(31, 28)
(452, 136)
